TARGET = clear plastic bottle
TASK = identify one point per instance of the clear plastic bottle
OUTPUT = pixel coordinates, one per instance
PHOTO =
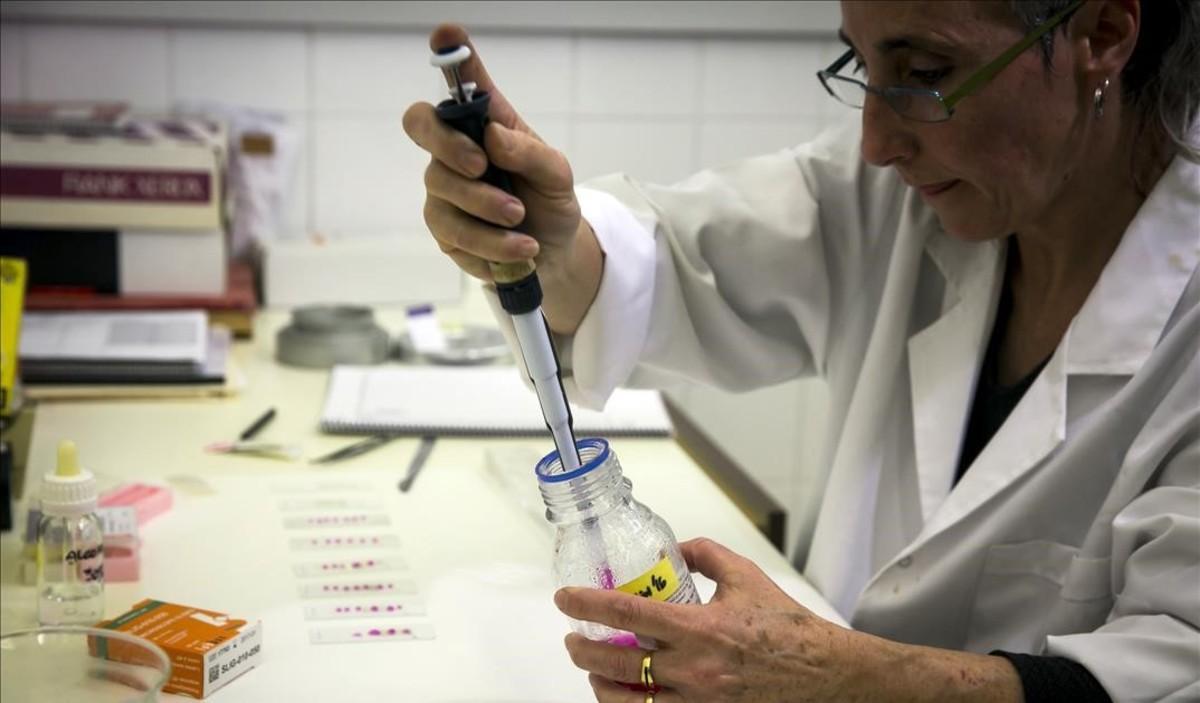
(606, 539)
(70, 546)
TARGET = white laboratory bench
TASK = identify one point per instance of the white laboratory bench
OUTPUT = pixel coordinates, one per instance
(477, 553)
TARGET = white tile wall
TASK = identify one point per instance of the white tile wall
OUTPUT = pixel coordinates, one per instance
(656, 150)
(371, 73)
(651, 77)
(259, 69)
(535, 74)
(370, 177)
(655, 107)
(744, 77)
(12, 63)
(96, 63)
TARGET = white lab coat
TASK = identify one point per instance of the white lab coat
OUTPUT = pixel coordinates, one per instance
(1076, 531)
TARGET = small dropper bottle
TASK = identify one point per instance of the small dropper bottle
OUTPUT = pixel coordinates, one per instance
(70, 545)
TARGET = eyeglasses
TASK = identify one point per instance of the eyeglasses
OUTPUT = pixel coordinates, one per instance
(925, 104)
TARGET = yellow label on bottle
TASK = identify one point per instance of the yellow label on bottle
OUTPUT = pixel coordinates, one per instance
(658, 583)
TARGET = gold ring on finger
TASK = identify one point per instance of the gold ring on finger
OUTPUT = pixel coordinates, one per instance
(647, 677)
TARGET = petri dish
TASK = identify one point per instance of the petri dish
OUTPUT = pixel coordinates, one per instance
(64, 664)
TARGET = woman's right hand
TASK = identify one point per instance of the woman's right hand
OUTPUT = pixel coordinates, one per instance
(475, 223)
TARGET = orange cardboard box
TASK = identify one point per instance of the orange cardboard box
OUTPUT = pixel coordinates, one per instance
(207, 649)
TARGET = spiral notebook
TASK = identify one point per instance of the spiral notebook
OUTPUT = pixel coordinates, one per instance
(470, 401)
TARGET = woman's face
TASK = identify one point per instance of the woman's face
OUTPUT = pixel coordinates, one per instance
(1010, 148)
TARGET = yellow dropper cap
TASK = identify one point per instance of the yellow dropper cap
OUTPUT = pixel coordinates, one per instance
(68, 459)
(70, 489)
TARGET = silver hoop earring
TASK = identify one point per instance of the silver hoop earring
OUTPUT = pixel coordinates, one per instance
(1098, 99)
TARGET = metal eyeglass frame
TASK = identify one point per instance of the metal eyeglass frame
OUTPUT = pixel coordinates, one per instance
(893, 95)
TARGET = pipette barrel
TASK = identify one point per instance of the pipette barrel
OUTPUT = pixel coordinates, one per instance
(542, 365)
(517, 283)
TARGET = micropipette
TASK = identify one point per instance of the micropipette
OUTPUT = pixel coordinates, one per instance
(517, 283)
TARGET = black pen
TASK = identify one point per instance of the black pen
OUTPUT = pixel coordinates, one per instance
(355, 449)
(417, 463)
(258, 425)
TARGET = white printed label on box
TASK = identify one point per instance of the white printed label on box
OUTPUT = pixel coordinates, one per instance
(118, 520)
(383, 632)
(232, 659)
(363, 609)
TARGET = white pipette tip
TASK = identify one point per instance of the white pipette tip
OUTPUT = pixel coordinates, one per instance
(568, 454)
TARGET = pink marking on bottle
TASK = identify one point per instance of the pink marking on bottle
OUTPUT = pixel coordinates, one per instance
(624, 639)
(374, 633)
(390, 608)
(406, 631)
(374, 608)
(391, 630)
(607, 582)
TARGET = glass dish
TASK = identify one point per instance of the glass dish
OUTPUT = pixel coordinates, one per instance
(54, 664)
(465, 346)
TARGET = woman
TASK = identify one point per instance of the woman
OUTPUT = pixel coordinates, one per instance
(1004, 301)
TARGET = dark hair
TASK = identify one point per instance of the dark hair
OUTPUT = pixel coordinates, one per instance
(1161, 81)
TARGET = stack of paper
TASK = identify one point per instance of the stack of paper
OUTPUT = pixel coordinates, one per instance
(113, 349)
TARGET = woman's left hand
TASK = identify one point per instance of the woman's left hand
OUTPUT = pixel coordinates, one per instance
(751, 642)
